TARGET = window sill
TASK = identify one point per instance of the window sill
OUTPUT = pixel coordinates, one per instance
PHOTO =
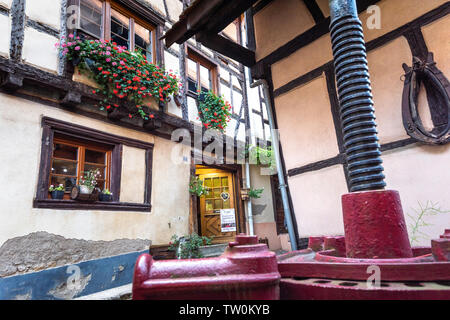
(97, 205)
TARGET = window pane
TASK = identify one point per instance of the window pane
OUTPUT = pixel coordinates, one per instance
(68, 168)
(205, 78)
(65, 152)
(143, 40)
(101, 169)
(192, 75)
(91, 17)
(120, 28)
(192, 85)
(95, 157)
(67, 182)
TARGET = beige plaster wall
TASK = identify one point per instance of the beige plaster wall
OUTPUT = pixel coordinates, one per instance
(319, 52)
(21, 132)
(307, 131)
(268, 230)
(279, 22)
(302, 61)
(316, 198)
(436, 37)
(264, 205)
(132, 189)
(316, 195)
(420, 173)
(385, 66)
(390, 17)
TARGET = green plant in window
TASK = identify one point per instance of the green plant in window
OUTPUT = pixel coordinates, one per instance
(188, 247)
(196, 187)
(58, 188)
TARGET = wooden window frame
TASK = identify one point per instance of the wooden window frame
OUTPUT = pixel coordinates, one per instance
(81, 154)
(115, 143)
(201, 59)
(149, 21)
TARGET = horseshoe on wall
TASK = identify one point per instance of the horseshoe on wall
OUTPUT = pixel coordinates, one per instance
(438, 95)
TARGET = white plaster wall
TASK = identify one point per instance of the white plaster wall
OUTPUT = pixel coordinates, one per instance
(5, 3)
(175, 7)
(172, 64)
(420, 173)
(44, 11)
(316, 198)
(158, 5)
(5, 39)
(192, 111)
(21, 132)
(39, 50)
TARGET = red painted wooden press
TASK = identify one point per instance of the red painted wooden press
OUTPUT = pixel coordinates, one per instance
(246, 271)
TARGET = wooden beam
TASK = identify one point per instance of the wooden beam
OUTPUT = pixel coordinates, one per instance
(227, 47)
(227, 14)
(315, 10)
(12, 82)
(191, 20)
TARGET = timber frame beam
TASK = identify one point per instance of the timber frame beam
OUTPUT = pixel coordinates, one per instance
(25, 81)
(227, 47)
(204, 20)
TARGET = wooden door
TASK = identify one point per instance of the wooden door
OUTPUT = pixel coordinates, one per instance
(220, 196)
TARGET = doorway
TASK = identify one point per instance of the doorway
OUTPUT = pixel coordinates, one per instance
(218, 209)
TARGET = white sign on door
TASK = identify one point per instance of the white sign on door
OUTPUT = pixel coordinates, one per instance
(228, 220)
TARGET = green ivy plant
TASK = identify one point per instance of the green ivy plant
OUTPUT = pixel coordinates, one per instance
(196, 187)
(213, 111)
(187, 247)
(121, 74)
(260, 155)
(418, 220)
(255, 193)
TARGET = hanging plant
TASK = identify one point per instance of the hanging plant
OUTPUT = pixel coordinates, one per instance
(120, 74)
(260, 155)
(214, 111)
(196, 187)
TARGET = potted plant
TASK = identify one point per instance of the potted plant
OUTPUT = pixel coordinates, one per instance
(57, 192)
(106, 196)
(121, 76)
(89, 181)
(188, 247)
